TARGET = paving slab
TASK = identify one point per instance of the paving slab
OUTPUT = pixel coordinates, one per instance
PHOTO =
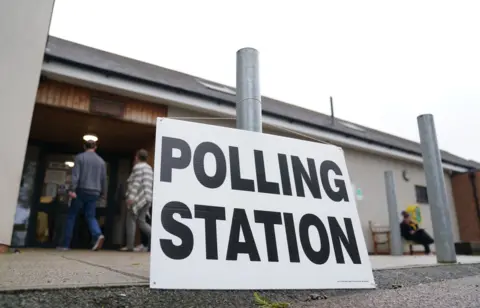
(47, 269)
(392, 262)
(133, 264)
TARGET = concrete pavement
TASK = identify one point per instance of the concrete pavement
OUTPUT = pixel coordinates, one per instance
(441, 286)
(47, 269)
(391, 262)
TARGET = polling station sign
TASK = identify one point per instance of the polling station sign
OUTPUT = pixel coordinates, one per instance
(234, 209)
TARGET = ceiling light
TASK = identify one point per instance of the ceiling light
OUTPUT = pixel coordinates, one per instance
(90, 137)
(70, 164)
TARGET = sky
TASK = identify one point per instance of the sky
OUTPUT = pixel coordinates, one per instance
(383, 62)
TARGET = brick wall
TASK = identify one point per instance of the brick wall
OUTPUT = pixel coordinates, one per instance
(468, 220)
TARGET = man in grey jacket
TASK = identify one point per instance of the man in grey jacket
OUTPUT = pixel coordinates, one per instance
(89, 183)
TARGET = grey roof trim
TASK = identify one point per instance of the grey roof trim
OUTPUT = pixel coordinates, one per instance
(112, 64)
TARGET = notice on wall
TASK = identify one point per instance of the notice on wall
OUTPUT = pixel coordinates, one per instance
(357, 192)
(235, 209)
(55, 176)
(51, 190)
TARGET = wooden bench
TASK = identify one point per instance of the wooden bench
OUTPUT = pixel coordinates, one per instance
(380, 236)
(409, 244)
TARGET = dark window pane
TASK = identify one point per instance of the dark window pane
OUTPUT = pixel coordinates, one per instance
(421, 194)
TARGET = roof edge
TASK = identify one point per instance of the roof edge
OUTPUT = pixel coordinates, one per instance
(52, 57)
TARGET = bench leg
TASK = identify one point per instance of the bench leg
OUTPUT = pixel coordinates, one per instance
(411, 250)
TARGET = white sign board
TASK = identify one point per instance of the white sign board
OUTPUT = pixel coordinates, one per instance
(240, 210)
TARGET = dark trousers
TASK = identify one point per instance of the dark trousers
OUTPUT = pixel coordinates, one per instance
(88, 203)
(423, 238)
(143, 237)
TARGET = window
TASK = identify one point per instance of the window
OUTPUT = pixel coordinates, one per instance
(106, 107)
(421, 194)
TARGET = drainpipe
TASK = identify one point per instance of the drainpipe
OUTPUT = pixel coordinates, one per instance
(472, 176)
(332, 113)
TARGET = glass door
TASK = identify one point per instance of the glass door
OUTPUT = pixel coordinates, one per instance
(53, 205)
(54, 202)
(25, 197)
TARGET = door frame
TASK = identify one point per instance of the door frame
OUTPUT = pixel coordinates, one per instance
(46, 149)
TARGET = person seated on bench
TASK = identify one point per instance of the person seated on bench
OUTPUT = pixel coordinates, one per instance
(410, 232)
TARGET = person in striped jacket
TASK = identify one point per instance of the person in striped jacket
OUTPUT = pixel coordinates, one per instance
(139, 198)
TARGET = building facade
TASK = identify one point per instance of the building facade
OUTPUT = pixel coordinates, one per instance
(87, 91)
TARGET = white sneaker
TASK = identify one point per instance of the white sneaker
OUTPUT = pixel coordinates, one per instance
(99, 243)
(140, 248)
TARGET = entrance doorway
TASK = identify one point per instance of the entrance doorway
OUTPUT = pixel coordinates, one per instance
(53, 202)
(56, 137)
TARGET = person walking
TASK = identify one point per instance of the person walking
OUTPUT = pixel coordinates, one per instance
(145, 239)
(139, 198)
(89, 184)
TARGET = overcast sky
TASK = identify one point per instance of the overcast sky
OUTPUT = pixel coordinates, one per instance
(384, 63)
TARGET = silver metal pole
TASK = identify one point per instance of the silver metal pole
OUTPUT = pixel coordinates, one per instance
(249, 100)
(437, 194)
(393, 217)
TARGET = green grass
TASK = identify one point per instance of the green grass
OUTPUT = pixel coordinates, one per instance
(266, 303)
